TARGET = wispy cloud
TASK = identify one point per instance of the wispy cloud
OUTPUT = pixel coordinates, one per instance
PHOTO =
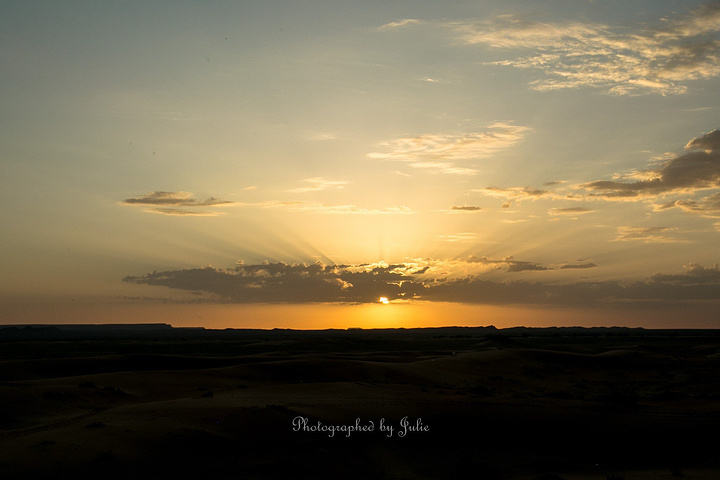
(319, 183)
(578, 266)
(177, 212)
(574, 54)
(400, 23)
(707, 207)
(459, 237)
(323, 136)
(526, 267)
(509, 264)
(646, 234)
(512, 195)
(176, 199)
(571, 211)
(465, 208)
(320, 208)
(443, 167)
(440, 152)
(460, 210)
(176, 204)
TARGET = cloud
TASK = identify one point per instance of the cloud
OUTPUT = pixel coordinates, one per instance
(400, 23)
(166, 203)
(465, 208)
(515, 267)
(709, 142)
(695, 274)
(659, 289)
(697, 168)
(578, 266)
(425, 281)
(319, 183)
(569, 211)
(574, 54)
(178, 199)
(509, 264)
(176, 212)
(315, 207)
(706, 207)
(183, 203)
(283, 283)
(645, 234)
(512, 195)
(688, 174)
(439, 152)
(323, 136)
(459, 237)
(443, 167)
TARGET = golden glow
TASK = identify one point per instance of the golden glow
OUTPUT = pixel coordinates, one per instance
(384, 300)
(323, 316)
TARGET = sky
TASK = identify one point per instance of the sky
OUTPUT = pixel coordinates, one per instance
(289, 164)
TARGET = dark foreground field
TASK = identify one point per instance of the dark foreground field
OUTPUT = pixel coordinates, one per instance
(156, 402)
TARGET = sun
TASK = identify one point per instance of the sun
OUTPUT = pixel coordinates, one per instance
(384, 300)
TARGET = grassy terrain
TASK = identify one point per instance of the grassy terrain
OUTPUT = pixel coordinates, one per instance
(158, 402)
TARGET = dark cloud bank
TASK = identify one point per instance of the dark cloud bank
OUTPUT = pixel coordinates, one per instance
(316, 283)
(696, 169)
